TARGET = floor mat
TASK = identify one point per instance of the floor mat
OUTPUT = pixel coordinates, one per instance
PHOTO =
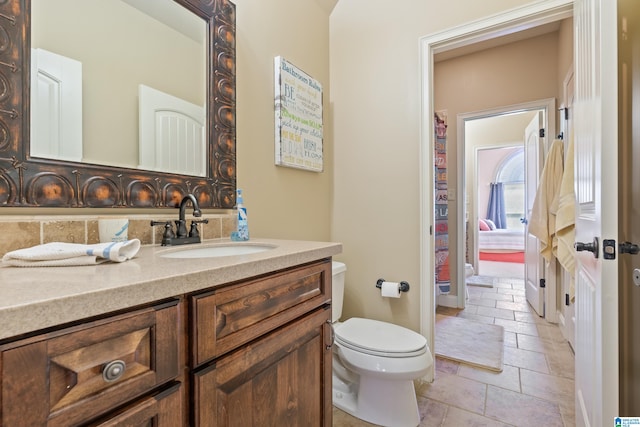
(486, 281)
(471, 342)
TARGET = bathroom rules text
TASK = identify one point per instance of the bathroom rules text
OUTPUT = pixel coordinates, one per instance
(298, 118)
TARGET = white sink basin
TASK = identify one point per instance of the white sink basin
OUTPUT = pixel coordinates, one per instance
(217, 251)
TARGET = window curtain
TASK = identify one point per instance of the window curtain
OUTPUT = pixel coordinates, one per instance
(495, 210)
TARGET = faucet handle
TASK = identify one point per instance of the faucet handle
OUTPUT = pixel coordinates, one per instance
(193, 231)
(168, 231)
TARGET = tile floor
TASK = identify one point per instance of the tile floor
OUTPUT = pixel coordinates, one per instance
(535, 388)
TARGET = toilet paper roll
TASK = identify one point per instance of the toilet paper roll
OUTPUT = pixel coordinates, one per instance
(390, 289)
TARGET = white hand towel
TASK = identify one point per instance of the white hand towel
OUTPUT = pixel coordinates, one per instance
(71, 254)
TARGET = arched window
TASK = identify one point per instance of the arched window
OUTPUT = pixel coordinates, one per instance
(511, 174)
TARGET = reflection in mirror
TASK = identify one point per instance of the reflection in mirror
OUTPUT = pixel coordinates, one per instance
(27, 180)
(129, 92)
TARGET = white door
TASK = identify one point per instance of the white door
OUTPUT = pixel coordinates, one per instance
(533, 167)
(567, 318)
(172, 133)
(596, 160)
(56, 106)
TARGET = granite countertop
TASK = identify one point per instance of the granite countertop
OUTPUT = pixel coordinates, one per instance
(34, 298)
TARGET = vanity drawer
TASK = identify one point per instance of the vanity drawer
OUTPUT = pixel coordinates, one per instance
(75, 374)
(164, 409)
(226, 318)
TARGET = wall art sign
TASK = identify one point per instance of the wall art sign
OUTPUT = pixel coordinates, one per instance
(298, 118)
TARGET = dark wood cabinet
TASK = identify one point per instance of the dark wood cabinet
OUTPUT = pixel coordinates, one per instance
(282, 379)
(262, 351)
(256, 352)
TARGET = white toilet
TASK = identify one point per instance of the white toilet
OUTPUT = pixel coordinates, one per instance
(374, 365)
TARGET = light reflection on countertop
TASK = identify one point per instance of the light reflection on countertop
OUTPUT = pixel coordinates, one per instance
(33, 298)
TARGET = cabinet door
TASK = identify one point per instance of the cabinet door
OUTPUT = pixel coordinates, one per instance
(283, 379)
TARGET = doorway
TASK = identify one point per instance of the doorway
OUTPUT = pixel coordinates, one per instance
(496, 129)
(510, 22)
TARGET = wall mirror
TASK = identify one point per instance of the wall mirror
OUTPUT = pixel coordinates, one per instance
(106, 166)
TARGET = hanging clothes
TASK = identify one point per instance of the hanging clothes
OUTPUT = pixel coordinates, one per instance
(496, 209)
(542, 223)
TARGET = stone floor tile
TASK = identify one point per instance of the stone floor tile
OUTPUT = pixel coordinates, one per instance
(532, 343)
(522, 307)
(342, 419)
(458, 417)
(562, 361)
(518, 327)
(446, 366)
(496, 296)
(484, 302)
(496, 312)
(548, 387)
(509, 378)
(510, 339)
(526, 359)
(520, 410)
(432, 413)
(478, 318)
(456, 391)
(529, 317)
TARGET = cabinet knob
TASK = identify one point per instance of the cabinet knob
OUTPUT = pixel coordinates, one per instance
(113, 370)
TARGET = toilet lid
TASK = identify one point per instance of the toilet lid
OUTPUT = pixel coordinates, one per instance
(373, 336)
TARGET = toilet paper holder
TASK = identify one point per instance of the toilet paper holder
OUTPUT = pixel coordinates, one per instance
(403, 286)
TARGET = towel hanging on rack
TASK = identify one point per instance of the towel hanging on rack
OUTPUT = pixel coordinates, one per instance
(542, 223)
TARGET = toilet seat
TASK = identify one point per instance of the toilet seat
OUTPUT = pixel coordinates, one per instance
(380, 338)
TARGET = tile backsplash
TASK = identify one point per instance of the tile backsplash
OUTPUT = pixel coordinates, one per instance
(17, 232)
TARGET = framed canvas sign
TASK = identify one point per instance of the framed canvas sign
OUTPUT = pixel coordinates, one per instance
(298, 118)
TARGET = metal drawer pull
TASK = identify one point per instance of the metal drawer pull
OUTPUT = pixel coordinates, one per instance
(113, 370)
(333, 335)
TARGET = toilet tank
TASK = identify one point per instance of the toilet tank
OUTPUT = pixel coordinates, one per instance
(337, 289)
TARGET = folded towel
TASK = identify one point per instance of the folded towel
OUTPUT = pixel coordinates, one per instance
(72, 254)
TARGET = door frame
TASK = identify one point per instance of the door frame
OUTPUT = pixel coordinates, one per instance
(547, 105)
(511, 21)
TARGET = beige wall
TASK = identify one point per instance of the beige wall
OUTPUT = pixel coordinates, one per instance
(375, 101)
(281, 202)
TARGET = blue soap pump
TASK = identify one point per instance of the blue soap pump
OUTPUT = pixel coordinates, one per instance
(242, 232)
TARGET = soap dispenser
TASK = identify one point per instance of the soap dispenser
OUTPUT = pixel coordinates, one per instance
(243, 226)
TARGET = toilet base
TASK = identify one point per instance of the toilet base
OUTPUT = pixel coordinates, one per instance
(381, 402)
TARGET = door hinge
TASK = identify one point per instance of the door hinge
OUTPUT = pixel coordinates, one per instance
(431, 230)
(543, 283)
(541, 133)
(567, 301)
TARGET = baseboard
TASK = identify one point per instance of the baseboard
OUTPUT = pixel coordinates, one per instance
(448, 301)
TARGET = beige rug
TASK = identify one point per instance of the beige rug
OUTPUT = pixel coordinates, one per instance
(470, 342)
(486, 281)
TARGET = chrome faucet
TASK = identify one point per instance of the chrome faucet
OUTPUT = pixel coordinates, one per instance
(181, 237)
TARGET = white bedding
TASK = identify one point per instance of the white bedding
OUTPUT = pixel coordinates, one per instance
(501, 240)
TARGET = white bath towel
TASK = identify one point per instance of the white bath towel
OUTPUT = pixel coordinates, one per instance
(58, 254)
(542, 223)
(565, 220)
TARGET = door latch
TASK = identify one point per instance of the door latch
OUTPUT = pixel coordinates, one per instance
(609, 249)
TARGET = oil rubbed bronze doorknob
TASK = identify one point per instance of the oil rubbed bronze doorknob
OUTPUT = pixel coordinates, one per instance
(590, 247)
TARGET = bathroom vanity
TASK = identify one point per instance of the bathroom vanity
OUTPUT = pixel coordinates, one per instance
(215, 341)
